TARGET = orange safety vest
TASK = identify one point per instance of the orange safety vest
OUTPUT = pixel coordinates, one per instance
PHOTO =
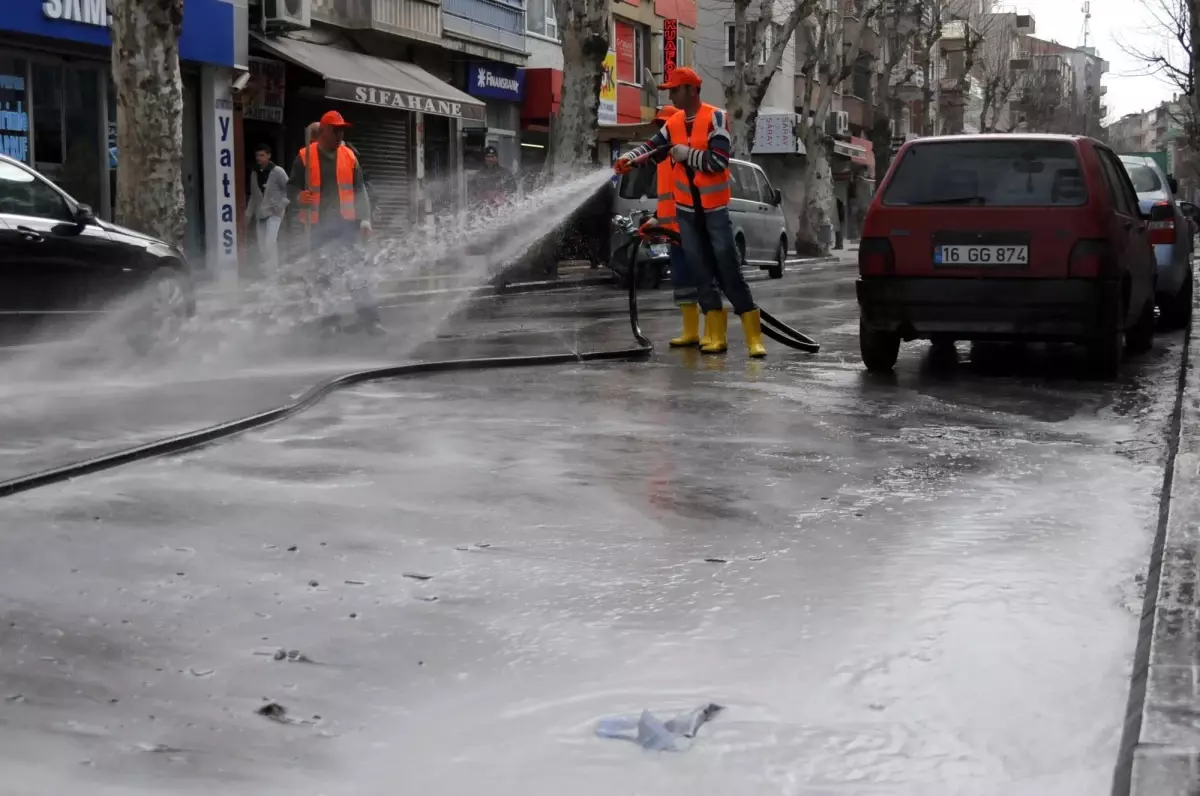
(666, 195)
(712, 187)
(346, 163)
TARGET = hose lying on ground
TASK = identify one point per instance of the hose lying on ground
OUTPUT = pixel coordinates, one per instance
(193, 439)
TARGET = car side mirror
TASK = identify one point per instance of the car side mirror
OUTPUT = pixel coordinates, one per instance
(777, 198)
(84, 215)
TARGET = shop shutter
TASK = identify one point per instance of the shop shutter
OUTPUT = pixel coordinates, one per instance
(383, 142)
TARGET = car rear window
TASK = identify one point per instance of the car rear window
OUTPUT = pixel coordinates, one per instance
(995, 173)
(1144, 178)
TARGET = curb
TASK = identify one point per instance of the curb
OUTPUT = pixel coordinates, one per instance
(1160, 746)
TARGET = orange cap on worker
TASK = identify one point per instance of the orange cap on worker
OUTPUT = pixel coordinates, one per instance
(682, 76)
(334, 119)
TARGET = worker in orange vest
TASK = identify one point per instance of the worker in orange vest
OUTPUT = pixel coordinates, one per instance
(682, 278)
(696, 139)
(336, 212)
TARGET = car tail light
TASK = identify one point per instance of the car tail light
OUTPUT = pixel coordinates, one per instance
(1092, 258)
(1162, 223)
(875, 257)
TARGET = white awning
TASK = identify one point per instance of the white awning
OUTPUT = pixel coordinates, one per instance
(379, 82)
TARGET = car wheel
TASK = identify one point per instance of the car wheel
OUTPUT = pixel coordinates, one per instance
(1106, 351)
(740, 243)
(775, 271)
(1140, 338)
(879, 349)
(1177, 310)
(162, 313)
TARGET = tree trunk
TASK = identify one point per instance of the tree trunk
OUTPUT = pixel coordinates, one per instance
(742, 101)
(818, 196)
(583, 26)
(1193, 100)
(145, 66)
(881, 142)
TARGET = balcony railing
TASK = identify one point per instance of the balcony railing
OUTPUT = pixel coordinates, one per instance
(422, 18)
(492, 21)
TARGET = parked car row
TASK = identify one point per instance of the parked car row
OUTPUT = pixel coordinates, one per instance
(60, 266)
(1022, 237)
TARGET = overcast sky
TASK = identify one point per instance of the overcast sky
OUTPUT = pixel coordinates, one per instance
(1113, 22)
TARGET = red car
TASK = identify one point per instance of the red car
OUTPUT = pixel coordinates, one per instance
(1006, 237)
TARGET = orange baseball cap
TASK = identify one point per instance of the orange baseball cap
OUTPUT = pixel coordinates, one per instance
(665, 113)
(334, 119)
(682, 76)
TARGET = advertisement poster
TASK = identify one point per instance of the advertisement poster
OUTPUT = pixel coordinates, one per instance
(626, 62)
(608, 89)
(670, 45)
(14, 116)
(775, 134)
(262, 99)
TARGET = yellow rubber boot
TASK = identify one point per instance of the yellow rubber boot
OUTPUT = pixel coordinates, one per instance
(716, 323)
(752, 326)
(691, 327)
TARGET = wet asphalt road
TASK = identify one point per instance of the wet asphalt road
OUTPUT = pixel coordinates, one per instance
(925, 584)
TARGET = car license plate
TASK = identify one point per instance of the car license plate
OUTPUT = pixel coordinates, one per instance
(659, 250)
(981, 255)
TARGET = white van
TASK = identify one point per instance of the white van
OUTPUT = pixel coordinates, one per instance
(756, 210)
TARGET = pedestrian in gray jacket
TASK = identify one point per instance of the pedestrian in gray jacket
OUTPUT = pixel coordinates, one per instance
(268, 200)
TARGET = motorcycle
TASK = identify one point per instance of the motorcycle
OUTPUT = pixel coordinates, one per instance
(654, 260)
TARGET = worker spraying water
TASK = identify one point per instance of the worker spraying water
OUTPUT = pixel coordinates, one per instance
(696, 139)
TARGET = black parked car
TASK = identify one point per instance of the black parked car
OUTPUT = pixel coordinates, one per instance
(60, 265)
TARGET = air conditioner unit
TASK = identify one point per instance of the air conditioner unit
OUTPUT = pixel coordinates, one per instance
(287, 14)
(841, 123)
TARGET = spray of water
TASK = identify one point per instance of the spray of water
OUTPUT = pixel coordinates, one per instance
(262, 328)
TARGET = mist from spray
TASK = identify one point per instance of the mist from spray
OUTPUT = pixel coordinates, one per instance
(264, 327)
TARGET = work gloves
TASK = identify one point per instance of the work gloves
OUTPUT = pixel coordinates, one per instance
(680, 153)
(624, 164)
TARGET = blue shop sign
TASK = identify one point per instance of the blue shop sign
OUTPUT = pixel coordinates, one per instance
(207, 25)
(495, 81)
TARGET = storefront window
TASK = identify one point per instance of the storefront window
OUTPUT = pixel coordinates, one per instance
(81, 170)
(48, 114)
(66, 128)
(14, 109)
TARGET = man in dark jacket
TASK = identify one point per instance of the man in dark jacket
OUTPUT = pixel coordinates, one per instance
(493, 185)
(336, 212)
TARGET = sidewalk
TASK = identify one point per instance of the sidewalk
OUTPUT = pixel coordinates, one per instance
(1160, 754)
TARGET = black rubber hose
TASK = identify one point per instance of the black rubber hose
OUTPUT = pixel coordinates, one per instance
(204, 436)
(780, 332)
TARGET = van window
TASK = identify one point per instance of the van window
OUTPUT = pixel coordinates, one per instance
(998, 173)
(765, 191)
(641, 183)
(741, 181)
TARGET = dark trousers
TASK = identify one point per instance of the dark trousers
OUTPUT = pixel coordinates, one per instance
(710, 249)
(338, 255)
(683, 278)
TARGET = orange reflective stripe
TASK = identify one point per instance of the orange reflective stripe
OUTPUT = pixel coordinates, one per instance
(346, 163)
(665, 210)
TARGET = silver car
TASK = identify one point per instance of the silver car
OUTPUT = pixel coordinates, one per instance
(755, 210)
(1170, 235)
